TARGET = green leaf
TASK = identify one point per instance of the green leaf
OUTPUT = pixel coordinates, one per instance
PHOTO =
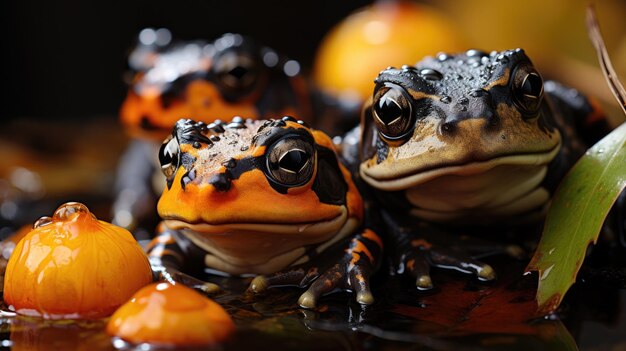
(578, 210)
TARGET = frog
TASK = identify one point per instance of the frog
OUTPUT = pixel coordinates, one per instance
(232, 75)
(471, 142)
(263, 197)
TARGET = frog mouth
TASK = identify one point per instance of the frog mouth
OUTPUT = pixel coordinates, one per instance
(262, 248)
(316, 228)
(419, 176)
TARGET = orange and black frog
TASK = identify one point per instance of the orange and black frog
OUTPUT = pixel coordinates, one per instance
(466, 143)
(233, 75)
(262, 197)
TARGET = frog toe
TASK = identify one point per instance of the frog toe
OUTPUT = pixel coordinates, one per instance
(294, 277)
(259, 284)
(424, 282)
(360, 283)
(208, 288)
(331, 279)
(487, 273)
(308, 300)
(358, 280)
(418, 266)
(447, 259)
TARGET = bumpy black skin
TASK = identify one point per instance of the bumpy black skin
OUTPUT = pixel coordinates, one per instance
(416, 244)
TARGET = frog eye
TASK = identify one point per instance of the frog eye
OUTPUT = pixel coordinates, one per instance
(392, 111)
(527, 89)
(291, 161)
(168, 157)
(237, 73)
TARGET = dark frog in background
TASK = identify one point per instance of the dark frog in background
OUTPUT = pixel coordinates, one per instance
(233, 75)
(262, 197)
(467, 142)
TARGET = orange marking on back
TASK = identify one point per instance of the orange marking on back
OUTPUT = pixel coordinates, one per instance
(359, 249)
(369, 234)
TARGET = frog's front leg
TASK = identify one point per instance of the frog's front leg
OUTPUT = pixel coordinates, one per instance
(415, 246)
(167, 259)
(352, 271)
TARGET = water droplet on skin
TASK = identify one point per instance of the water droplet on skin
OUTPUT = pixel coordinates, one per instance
(431, 74)
(42, 221)
(68, 209)
(237, 119)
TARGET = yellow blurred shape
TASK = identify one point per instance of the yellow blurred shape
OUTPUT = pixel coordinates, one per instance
(387, 33)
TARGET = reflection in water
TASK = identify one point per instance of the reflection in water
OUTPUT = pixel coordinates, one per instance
(401, 319)
(31, 334)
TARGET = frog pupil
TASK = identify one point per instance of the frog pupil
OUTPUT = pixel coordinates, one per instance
(238, 72)
(293, 161)
(388, 110)
(532, 86)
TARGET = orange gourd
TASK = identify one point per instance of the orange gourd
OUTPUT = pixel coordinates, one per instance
(73, 266)
(175, 315)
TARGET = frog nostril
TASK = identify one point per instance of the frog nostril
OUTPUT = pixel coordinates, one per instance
(220, 181)
(448, 127)
(478, 93)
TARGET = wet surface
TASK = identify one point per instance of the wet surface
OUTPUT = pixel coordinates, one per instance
(460, 314)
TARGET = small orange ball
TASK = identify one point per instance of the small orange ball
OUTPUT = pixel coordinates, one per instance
(387, 33)
(166, 314)
(73, 266)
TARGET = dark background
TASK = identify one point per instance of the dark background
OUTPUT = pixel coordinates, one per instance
(65, 59)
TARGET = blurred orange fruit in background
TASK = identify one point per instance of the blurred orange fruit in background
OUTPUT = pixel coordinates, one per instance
(387, 33)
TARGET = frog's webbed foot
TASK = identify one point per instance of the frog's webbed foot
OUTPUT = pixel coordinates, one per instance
(351, 272)
(421, 255)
